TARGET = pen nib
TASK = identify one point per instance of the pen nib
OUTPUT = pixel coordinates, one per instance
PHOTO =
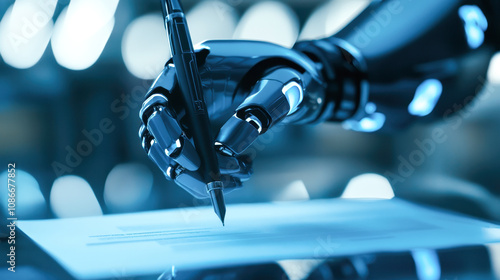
(217, 199)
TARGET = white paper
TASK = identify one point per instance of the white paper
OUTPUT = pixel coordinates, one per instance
(151, 242)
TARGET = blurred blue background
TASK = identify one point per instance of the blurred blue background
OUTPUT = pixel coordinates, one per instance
(72, 78)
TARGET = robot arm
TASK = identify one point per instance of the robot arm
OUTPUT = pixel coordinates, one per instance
(401, 60)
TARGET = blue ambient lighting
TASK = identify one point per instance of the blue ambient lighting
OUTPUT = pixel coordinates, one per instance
(370, 123)
(370, 108)
(426, 98)
(475, 24)
(427, 264)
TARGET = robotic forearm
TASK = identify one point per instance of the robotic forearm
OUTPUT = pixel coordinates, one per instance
(401, 60)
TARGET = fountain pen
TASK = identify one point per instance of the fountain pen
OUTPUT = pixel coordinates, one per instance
(189, 81)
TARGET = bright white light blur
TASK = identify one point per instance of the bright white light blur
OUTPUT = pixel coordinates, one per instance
(368, 186)
(82, 31)
(315, 26)
(491, 233)
(296, 190)
(127, 187)
(211, 20)
(331, 17)
(494, 250)
(298, 269)
(71, 196)
(30, 203)
(427, 264)
(145, 48)
(25, 32)
(494, 69)
(269, 21)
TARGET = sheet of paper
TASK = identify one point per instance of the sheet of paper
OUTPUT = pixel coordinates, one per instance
(151, 242)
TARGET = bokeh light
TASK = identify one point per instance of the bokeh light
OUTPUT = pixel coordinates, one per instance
(426, 97)
(25, 32)
(494, 250)
(29, 200)
(145, 47)
(82, 31)
(72, 196)
(127, 187)
(296, 190)
(211, 20)
(331, 17)
(494, 69)
(427, 264)
(269, 21)
(368, 186)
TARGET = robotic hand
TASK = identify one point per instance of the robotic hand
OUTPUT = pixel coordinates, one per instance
(248, 88)
(398, 62)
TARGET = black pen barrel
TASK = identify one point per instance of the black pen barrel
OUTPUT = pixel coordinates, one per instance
(191, 89)
(170, 7)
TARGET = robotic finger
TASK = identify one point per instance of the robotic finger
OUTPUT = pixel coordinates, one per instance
(235, 167)
(169, 148)
(167, 134)
(274, 97)
(156, 153)
(233, 172)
